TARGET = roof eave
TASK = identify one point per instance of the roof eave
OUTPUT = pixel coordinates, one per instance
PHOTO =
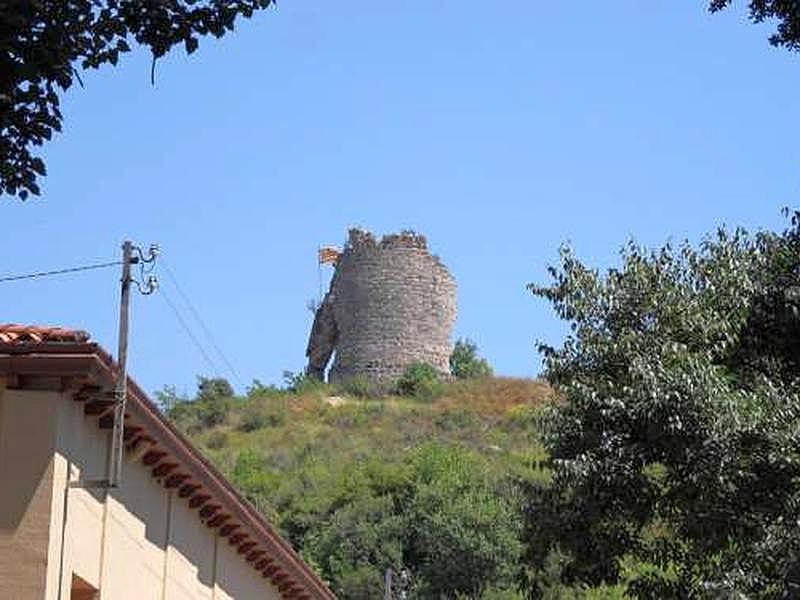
(89, 362)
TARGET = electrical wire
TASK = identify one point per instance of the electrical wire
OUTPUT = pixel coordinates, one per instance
(211, 363)
(196, 315)
(60, 271)
(188, 330)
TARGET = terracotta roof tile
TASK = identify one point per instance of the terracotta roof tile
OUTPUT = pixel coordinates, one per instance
(11, 333)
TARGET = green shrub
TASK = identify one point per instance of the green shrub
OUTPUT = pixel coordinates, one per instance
(463, 534)
(452, 420)
(498, 594)
(184, 415)
(210, 389)
(261, 414)
(421, 381)
(437, 520)
(348, 416)
(465, 362)
(360, 386)
(212, 413)
(193, 417)
(301, 383)
(217, 440)
(252, 419)
(210, 407)
(258, 389)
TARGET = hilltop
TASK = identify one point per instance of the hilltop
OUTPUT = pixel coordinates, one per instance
(359, 484)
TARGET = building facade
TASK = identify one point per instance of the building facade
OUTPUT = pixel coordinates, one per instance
(173, 529)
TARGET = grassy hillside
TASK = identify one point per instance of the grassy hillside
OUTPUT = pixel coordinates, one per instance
(358, 484)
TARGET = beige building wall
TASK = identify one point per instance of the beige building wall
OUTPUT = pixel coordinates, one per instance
(234, 581)
(78, 513)
(190, 558)
(27, 439)
(137, 542)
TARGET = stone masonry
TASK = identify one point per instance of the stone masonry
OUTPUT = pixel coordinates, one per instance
(390, 303)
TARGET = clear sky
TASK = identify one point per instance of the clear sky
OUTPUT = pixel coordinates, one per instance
(499, 130)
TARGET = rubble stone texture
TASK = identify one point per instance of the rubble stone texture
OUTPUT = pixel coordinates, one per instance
(390, 304)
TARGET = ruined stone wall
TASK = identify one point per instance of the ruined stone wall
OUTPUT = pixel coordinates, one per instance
(391, 303)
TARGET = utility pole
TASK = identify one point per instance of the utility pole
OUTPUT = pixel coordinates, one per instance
(121, 386)
(131, 255)
(387, 584)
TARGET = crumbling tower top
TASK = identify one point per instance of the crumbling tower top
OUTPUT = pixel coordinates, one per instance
(390, 303)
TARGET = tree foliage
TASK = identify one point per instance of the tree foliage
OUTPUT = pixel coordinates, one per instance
(421, 381)
(209, 407)
(210, 389)
(465, 362)
(676, 445)
(439, 521)
(44, 42)
(786, 12)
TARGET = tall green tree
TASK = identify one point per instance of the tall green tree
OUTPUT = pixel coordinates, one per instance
(676, 442)
(44, 42)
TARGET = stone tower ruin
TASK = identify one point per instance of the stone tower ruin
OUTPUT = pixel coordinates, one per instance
(390, 304)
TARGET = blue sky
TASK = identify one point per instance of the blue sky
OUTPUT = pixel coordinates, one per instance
(498, 130)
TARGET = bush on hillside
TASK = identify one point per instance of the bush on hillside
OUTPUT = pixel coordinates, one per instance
(213, 401)
(210, 389)
(463, 533)
(213, 413)
(258, 389)
(421, 381)
(465, 362)
(261, 413)
(209, 408)
(360, 386)
(301, 383)
(438, 519)
(217, 440)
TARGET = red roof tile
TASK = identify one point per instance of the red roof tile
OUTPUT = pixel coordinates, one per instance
(11, 333)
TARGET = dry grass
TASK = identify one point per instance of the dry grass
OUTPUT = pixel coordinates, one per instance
(495, 396)
(492, 396)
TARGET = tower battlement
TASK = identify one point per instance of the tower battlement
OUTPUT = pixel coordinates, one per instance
(391, 303)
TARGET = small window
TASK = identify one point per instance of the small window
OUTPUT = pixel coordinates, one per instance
(81, 590)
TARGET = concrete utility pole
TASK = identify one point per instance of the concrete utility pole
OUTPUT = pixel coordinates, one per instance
(387, 585)
(121, 386)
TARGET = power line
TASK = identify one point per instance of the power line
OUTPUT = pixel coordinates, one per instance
(211, 363)
(60, 271)
(188, 330)
(206, 330)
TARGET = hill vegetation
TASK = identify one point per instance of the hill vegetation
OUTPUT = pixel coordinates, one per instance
(425, 485)
(661, 459)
